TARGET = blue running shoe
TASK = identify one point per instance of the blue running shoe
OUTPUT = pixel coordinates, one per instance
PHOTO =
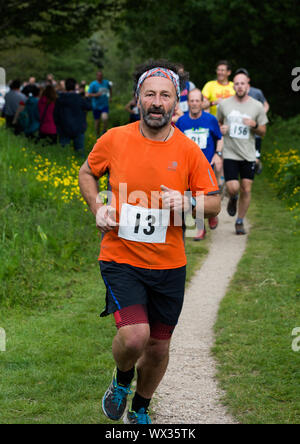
(140, 417)
(114, 400)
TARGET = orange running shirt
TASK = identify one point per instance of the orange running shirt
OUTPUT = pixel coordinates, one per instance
(142, 166)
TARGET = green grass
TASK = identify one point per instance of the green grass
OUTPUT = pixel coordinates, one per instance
(257, 366)
(58, 361)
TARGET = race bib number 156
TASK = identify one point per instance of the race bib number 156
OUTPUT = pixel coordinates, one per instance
(239, 131)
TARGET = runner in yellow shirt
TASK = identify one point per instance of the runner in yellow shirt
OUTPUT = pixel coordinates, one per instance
(217, 90)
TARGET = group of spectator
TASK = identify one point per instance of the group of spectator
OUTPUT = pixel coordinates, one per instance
(52, 111)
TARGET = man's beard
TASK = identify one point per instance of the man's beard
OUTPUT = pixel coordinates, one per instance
(242, 95)
(159, 122)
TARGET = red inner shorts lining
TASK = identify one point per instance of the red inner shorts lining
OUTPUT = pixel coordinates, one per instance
(137, 314)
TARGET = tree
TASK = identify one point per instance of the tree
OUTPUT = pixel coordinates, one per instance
(56, 23)
(260, 36)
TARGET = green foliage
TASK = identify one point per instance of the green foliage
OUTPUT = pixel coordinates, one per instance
(38, 236)
(198, 33)
(25, 61)
(257, 367)
(281, 157)
(56, 24)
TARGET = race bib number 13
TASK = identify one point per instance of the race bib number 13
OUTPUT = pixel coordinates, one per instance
(143, 224)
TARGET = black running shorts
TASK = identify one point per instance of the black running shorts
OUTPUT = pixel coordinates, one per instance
(160, 291)
(235, 169)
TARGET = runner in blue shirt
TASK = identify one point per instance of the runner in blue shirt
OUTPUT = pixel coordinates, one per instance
(100, 91)
(203, 129)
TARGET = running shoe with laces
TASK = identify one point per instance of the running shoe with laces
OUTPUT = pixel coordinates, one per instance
(239, 228)
(140, 417)
(200, 235)
(213, 222)
(114, 400)
(231, 206)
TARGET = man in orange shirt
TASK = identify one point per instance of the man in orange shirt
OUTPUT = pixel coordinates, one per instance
(151, 166)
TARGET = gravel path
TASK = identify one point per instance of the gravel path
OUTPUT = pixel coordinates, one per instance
(189, 393)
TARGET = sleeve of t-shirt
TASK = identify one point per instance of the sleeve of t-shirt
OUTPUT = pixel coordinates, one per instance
(201, 176)
(220, 114)
(262, 98)
(92, 88)
(216, 129)
(262, 118)
(206, 90)
(179, 124)
(192, 85)
(99, 157)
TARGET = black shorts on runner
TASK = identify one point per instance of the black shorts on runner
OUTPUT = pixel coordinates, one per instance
(156, 294)
(235, 169)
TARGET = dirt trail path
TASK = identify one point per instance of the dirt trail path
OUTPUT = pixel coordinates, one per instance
(189, 393)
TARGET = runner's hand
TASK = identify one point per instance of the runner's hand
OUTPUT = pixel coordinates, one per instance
(217, 162)
(174, 200)
(249, 122)
(105, 218)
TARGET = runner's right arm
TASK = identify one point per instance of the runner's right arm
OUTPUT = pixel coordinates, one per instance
(105, 214)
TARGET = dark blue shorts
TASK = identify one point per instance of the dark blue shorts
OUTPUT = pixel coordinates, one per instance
(97, 112)
(160, 291)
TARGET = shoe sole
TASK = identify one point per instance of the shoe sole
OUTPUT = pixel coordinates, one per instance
(125, 419)
(232, 211)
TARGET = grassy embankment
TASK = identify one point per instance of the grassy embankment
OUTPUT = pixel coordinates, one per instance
(58, 360)
(258, 367)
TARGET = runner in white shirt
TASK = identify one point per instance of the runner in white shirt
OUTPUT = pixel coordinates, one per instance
(241, 118)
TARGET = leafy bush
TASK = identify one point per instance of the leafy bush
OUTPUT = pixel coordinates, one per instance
(282, 160)
(43, 220)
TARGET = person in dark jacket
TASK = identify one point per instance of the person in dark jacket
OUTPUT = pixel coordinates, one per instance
(27, 116)
(70, 117)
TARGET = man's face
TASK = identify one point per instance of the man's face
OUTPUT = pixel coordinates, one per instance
(157, 102)
(99, 76)
(223, 73)
(241, 85)
(195, 102)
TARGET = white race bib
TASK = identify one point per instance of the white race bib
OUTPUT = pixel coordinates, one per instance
(184, 106)
(143, 224)
(198, 136)
(239, 131)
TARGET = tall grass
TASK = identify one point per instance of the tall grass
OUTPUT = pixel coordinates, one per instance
(43, 227)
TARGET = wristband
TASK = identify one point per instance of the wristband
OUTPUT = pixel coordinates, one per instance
(219, 153)
(193, 202)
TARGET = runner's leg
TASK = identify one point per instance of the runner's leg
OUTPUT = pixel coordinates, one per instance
(152, 366)
(104, 118)
(233, 187)
(129, 344)
(245, 197)
(97, 127)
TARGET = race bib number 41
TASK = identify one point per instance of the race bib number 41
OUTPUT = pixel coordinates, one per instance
(199, 136)
(143, 224)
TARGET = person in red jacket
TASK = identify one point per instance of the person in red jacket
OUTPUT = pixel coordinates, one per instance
(46, 107)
